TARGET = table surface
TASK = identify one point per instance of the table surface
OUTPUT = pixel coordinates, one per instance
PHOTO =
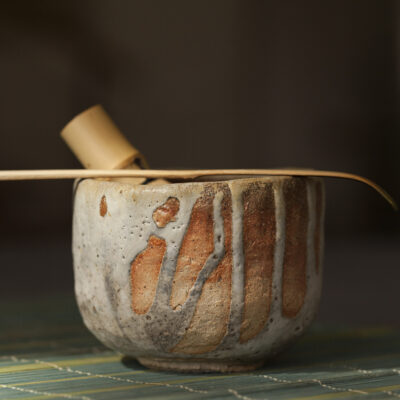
(46, 352)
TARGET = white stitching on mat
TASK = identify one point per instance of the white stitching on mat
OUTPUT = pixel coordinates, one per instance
(49, 394)
(68, 351)
(317, 381)
(390, 393)
(397, 371)
(114, 378)
(371, 372)
(242, 397)
(356, 369)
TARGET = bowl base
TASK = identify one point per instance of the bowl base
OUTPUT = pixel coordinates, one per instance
(199, 365)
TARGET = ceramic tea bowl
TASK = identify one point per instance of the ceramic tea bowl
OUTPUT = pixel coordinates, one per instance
(199, 276)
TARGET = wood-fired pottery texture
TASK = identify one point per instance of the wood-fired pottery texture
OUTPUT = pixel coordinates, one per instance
(199, 276)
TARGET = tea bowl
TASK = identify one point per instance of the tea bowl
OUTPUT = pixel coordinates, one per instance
(199, 276)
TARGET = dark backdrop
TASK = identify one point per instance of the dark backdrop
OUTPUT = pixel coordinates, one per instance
(208, 84)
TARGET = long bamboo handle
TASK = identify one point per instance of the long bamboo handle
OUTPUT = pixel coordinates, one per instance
(184, 174)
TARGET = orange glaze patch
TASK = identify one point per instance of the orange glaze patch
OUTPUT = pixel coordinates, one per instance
(318, 227)
(166, 212)
(259, 235)
(294, 283)
(103, 206)
(210, 320)
(197, 245)
(145, 269)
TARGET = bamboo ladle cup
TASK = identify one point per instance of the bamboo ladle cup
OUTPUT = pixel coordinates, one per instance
(97, 142)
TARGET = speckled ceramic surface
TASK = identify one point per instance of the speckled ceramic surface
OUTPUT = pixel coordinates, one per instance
(199, 276)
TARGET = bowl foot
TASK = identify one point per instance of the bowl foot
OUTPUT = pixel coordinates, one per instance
(198, 365)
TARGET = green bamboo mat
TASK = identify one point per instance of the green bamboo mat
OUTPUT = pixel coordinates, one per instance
(45, 353)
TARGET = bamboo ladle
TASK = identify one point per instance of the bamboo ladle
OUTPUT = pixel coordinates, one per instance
(98, 144)
(184, 174)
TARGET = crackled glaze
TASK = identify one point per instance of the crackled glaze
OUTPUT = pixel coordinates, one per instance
(199, 276)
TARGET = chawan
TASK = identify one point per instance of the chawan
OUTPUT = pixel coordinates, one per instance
(199, 276)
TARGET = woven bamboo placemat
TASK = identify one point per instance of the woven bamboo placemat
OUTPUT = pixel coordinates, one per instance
(46, 353)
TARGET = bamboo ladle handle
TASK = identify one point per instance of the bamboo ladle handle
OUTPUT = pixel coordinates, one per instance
(186, 174)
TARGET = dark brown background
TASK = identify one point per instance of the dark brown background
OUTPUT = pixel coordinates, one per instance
(209, 84)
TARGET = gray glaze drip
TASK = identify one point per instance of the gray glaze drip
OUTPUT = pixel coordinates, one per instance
(113, 300)
(165, 325)
(237, 289)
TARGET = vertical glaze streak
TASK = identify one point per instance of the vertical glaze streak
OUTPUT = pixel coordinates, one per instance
(279, 253)
(197, 245)
(294, 284)
(237, 288)
(259, 237)
(211, 317)
(318, 225)
(145, 269)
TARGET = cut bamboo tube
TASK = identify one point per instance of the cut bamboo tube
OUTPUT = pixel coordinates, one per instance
(186, 174)
(98, 144)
